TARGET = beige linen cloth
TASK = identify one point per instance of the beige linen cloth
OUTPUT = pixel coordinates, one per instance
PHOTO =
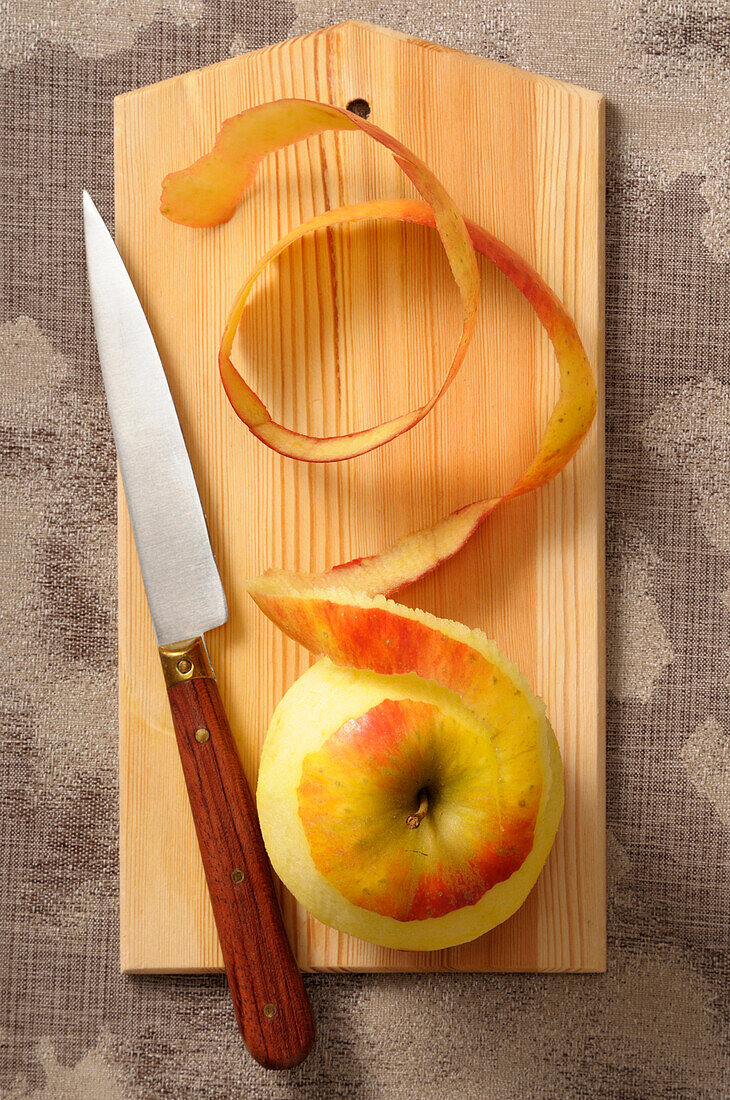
(656, 1024)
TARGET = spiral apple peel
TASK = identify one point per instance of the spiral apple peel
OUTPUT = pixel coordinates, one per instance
(383, 830)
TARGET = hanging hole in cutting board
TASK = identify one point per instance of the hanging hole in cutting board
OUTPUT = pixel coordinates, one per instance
(359, 107)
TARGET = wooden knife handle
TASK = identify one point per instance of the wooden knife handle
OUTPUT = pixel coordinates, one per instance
(269, 998)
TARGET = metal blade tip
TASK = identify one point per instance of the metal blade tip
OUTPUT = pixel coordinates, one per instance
(91, 214)
(182, 582)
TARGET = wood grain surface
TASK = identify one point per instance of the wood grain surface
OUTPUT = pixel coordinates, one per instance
(352, 326)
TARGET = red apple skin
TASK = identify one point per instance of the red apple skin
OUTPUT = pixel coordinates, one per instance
(386, 638)
(360, 788)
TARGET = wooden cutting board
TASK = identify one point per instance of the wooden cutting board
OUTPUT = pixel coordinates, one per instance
(351, 327)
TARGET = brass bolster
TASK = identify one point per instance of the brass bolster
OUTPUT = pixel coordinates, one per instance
(186, 660)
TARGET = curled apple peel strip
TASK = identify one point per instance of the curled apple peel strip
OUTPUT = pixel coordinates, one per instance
(390, 667)
(207, 194)
(412, 557)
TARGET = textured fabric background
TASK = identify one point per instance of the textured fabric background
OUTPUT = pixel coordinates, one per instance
(656, 1024)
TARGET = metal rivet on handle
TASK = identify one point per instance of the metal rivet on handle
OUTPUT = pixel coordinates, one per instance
(270, 1011)
(184, 666)
(237, 876)
(201, 736)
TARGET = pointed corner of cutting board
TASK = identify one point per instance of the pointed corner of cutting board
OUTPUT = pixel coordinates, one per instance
(354, 31)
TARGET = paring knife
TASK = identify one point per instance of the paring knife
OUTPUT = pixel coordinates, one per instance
(186, 598)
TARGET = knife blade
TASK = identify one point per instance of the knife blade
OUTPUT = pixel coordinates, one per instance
(186, 598)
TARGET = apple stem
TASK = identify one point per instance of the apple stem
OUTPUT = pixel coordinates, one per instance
(414, 820)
